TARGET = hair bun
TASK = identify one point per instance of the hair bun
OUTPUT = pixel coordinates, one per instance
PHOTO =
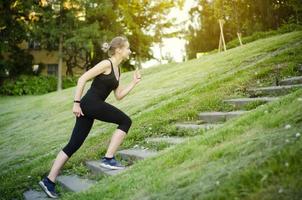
(105, 46)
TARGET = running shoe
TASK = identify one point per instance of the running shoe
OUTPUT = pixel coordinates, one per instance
(48, 187)
(111, 163)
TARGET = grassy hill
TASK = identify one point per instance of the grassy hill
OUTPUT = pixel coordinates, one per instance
(252, 157)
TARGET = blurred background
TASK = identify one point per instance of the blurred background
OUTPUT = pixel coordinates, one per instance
(55, 41)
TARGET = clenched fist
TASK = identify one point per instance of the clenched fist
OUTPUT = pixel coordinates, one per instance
(136, 76)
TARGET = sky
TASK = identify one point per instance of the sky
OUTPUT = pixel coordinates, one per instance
(173, 46)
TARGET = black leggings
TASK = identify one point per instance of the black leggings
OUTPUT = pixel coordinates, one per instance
(99, 110)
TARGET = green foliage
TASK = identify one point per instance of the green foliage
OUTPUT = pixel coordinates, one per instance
(264, 34)
(13, 31)
(243, 16)
(34, 85)
(69, 81)
(83, 38)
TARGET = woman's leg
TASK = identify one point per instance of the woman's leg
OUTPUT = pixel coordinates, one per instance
(116, 139)
(80, 131)
(57, 165)
(109, 113)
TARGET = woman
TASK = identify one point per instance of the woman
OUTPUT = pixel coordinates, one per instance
(92, 106)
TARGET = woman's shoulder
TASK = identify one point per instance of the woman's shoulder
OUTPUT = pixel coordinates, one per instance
(103, 66)
(105, 62)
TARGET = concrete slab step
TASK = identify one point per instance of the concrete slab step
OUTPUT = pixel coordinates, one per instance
(273, 90)
(35, 195)
(167, 139)
(214, 117)
(136, 154)
(241, 102)
(205, 127)
(291, 81)
(94, 166)
(300, 68)
(75, 183)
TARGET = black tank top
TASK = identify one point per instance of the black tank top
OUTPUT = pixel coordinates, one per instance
(103, 84)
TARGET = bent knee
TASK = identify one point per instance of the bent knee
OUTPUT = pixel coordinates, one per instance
(128, 121)
(125, 124)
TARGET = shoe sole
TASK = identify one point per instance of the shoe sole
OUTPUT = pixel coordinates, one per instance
(46, 190)
(110, 167)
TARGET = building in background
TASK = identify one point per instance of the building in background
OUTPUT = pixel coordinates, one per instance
(50, 60)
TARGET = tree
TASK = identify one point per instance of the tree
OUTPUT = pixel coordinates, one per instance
(78, 28)
(141, 17)
(246, 16)
(14, 17)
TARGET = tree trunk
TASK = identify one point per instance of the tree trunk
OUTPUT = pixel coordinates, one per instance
(59, 86)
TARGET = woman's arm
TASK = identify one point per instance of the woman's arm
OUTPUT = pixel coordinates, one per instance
(91, 73)
(121, 93)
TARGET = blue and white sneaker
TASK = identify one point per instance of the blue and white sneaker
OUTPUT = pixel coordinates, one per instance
(111, 163)
(48, 187)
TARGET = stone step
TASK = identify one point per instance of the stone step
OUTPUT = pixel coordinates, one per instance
(273, 90)
(197, 126)
(35, 195)
(136, 154)
(241, 102)
(292, 80)
(94, 166)
(167, 139)
(74, 183)
(214, 117)
(300, 68)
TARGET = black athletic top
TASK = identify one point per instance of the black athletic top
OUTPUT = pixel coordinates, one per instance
(103, 84)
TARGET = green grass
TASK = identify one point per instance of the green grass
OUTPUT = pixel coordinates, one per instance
(244, 159)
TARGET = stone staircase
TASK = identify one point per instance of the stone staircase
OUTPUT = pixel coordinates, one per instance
(74, 183)
(274, 90)
(242, 102)
(196, 126)
(292, 80)
(214, 119)
(165, 139)
(208, 120)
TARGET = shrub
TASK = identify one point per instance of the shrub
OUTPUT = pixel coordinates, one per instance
(34, 85)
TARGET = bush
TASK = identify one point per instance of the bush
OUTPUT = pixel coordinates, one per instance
(69, 82)
(34, 85)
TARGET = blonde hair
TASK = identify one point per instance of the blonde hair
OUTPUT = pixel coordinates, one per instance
(117, 42)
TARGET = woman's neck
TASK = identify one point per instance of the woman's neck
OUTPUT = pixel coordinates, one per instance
(116, 60)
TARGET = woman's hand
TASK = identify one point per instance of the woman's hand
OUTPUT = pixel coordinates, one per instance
(77, 110)
(136, 76)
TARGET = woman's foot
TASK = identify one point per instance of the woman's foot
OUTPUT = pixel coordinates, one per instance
(48, 187)
(111, 163)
